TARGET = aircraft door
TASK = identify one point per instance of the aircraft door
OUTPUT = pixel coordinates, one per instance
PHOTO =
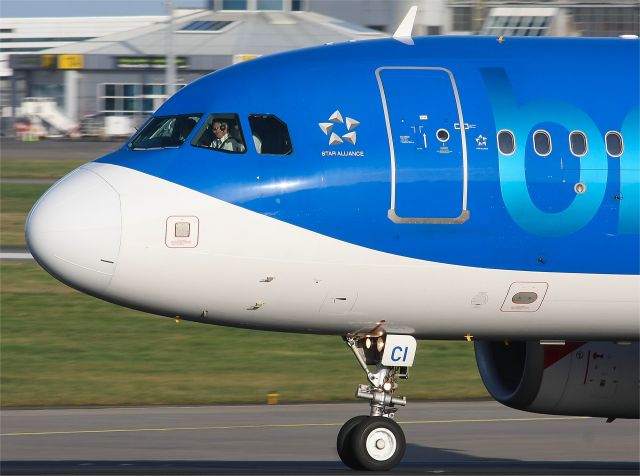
(426, 132)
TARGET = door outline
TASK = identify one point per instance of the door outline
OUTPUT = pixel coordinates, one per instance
(393, 216)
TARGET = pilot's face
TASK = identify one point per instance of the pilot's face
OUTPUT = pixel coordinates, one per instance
(219, 129)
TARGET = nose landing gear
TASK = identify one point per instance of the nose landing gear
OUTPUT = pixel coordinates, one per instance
(375, 442)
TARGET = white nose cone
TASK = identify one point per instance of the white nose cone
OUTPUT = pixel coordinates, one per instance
(74, 231)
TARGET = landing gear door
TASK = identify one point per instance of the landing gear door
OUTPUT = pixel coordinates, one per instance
(426, 132)
(399, 351)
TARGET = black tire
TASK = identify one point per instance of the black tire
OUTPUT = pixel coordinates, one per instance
(344, 444)
(392, 440)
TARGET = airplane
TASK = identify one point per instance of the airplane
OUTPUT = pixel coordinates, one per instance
(384, 191)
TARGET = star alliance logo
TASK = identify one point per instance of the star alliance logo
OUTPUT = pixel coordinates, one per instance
(334, 120)
(481, 142)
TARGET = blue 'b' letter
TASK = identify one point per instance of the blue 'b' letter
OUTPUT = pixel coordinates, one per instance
(630, 175)
(521, 119)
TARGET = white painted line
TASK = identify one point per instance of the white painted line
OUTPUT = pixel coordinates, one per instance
(10, 255)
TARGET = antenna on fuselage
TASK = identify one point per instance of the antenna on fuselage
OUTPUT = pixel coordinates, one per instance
(403, 33)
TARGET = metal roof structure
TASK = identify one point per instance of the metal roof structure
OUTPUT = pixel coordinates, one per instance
(239, 32)
(33, 35)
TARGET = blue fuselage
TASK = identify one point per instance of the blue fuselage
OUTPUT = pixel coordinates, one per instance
(464, 201)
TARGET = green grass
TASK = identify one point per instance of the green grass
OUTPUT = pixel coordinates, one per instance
(18, 198)
(37, 169)
(60, 347)
(16, 201)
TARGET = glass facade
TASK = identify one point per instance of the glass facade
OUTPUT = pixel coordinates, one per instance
(205, 26)
(234, 4)
(269, 4)
(517, 25)
(583, 18)
(49, 90)
(462, 18)
(130, 99)
(277, 5)
(606, 21)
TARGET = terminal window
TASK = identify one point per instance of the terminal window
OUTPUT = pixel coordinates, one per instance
(462, 18)
(204, 26)
(234, 5)
(131, 98)
(269, 5)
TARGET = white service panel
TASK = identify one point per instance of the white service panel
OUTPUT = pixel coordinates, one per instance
(339, 301)
(182, 232)
(524, 297)
(399, 351)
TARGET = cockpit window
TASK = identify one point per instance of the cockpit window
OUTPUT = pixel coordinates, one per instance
(270, 134)
(165, 132)
(221, 132)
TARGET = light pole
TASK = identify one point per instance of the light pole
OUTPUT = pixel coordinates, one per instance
(479, 12)
(170, 60)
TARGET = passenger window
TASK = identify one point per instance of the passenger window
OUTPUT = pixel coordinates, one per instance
(578, 143)
(221, 132)
(506, 142)
(270, 134)
(542, 143)
(615, 147)
(165, 132)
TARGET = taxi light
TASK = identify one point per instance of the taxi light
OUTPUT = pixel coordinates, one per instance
(380, 344)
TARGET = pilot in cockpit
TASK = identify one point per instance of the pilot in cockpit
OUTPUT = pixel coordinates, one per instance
(223, 139)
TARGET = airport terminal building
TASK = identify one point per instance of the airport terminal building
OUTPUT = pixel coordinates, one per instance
(113, 67)
(123, 74)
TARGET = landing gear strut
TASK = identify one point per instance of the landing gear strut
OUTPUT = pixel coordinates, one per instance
(375, 442)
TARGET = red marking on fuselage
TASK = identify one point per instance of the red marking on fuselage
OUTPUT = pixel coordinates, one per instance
(377, 326)
(554, 353)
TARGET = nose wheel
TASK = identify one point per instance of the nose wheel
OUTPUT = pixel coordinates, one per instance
(375, 442)
(371, 443)
(345, 442)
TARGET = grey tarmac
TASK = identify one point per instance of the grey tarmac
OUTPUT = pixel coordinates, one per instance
(473, 437)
